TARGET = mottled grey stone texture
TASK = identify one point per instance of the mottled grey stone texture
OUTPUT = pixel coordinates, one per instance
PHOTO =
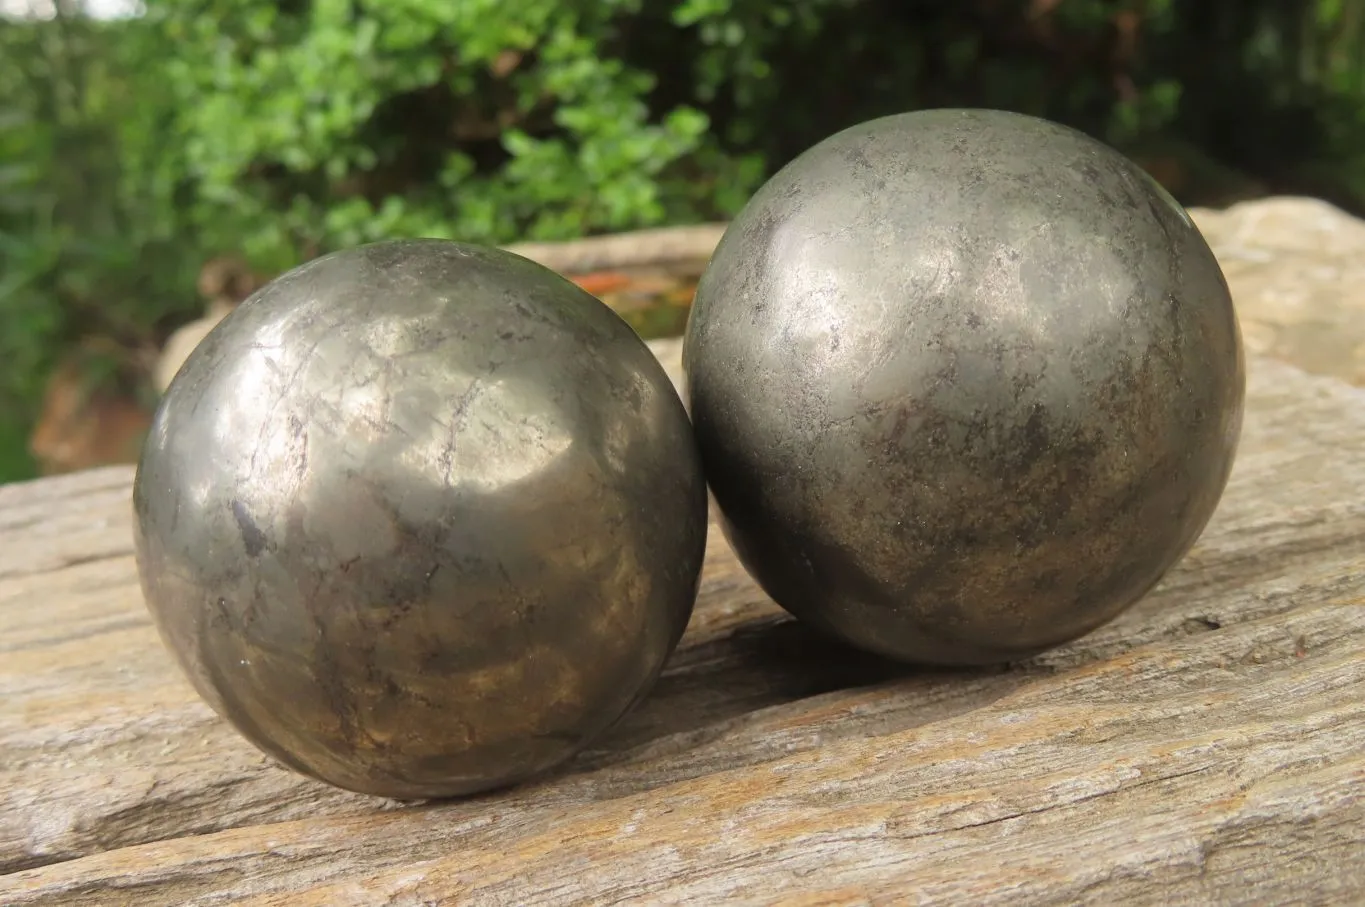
(965, 383)
(421, 518)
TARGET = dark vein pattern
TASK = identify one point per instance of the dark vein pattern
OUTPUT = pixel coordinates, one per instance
(421, 519)
(966, 385)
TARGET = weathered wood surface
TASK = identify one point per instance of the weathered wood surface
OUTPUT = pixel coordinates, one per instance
(1208, 747)
(663, 245)
(1296, 267)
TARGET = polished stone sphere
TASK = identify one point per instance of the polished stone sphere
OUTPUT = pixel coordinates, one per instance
(421, 518)
(966, 384)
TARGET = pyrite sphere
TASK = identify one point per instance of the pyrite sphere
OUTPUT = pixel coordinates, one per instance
(421, 518)
(966, 384)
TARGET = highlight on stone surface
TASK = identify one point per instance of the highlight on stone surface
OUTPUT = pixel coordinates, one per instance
(421, 518)
(966, 384)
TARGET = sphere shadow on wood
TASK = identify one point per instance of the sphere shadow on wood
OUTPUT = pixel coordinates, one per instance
(762, 664)
(421, 519)
(760, 684)
(966, 384)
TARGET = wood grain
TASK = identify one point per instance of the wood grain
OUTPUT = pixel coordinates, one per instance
(1207, 747)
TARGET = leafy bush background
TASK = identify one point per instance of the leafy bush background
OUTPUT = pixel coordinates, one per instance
(133, 150)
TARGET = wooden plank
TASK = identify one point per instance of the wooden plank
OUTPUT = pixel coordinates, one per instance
(1207, 746)
(657, 246)
(1296, 268)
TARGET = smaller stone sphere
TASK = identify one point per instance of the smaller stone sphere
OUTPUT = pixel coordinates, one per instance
(966, 384)
(421, 518)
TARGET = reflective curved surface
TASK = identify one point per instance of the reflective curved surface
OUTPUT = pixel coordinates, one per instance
(421, 518)
(966, 385)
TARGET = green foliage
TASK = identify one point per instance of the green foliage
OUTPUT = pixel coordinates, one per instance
(346, 122)
(132, 151)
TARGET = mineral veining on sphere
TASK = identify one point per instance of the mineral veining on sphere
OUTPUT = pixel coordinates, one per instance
(421, 518)
(965, 383)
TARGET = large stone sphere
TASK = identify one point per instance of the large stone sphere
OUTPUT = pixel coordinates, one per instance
(421, 518)
(966, 384)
